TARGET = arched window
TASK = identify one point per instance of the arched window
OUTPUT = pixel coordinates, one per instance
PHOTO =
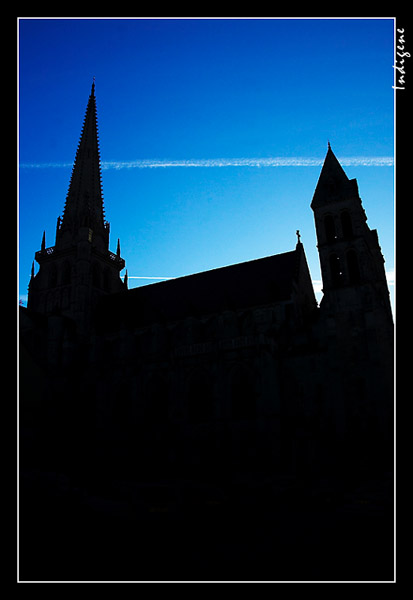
(66, 298)
(346, 225)
(242, 394)
(335, 269)
(330, 228)
(66, 273)
(353, 266)
(199, 399)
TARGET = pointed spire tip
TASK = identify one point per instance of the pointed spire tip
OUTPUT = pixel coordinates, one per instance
(86, 177)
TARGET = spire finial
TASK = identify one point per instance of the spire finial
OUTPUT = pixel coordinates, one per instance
(298, 234)
(328, 144)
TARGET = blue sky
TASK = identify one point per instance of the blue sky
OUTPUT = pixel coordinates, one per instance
(212, 132)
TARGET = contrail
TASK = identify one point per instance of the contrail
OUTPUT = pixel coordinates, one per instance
(355, 161)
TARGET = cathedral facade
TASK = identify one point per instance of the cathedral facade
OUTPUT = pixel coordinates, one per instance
(236, 369)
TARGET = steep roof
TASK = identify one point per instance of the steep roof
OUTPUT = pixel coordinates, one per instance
(333, 183)
(253, 283)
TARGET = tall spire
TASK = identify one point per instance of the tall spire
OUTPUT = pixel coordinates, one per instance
(79, 268)
(84, 201)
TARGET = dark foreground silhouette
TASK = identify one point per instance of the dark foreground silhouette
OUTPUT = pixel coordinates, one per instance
(192, 530)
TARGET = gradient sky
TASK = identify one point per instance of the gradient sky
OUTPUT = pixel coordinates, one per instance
(212, 132)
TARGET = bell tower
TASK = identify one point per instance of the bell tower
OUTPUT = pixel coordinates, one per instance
(79, 268)
(352, 265)
(356, 323)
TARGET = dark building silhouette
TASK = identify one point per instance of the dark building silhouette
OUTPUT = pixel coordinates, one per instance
(229, 375)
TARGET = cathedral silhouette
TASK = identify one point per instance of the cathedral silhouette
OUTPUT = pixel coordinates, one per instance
(226, 376)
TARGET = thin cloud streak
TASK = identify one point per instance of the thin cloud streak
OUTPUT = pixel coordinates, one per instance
(390, 276)
(45, 165)
(355, 161)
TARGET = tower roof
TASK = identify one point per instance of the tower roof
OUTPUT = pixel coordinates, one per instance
(333, 184)
(84, 201)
